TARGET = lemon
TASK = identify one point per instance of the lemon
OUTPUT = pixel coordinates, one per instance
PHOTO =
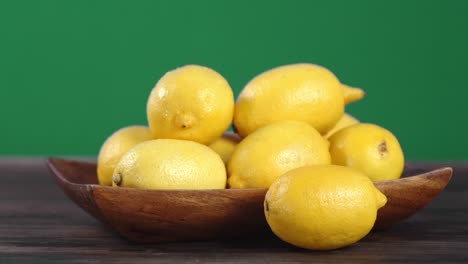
(263, 156)
(303, 92)
(225, 145)
(170, 164)
(322, 207)
(345, 121)
(370, 149)
(115, 146)
(192, 103)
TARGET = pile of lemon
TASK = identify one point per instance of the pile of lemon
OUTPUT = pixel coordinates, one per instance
(291, 136)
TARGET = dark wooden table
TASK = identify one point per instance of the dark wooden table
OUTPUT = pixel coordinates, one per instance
(38, 224)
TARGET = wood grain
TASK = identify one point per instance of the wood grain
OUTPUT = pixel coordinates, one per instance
(38, 224)
(406, 196)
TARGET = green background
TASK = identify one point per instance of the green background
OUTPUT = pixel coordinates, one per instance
(72, 72)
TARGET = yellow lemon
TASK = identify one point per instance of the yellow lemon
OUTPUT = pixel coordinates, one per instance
(192, 103)
(170, 164)
(115, 146)
(322, 207)
(370, 149)
(302, 92)
(345, 121)
(263, 156)
(225, 145)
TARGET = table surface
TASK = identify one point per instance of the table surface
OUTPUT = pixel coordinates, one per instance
(38, 224)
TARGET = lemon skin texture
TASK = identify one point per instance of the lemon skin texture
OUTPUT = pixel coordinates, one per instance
(302, 92)
(169, 164)
(370, 149)
(115, 146)
(191, 103)
(322, 207)
(260, 158)
(345, 121)
(225, 145)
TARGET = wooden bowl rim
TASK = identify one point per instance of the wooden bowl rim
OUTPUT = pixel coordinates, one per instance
(52, 164)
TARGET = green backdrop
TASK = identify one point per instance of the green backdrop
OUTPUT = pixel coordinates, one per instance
(72, 72)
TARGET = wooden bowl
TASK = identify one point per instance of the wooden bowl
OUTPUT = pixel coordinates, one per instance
(182, 215)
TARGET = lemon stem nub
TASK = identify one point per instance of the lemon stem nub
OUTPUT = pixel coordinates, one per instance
(383, 148)
(352, 94)
(117, 179)
(185, 121)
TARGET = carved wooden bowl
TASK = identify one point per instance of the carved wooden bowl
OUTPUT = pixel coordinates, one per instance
(181, 215)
